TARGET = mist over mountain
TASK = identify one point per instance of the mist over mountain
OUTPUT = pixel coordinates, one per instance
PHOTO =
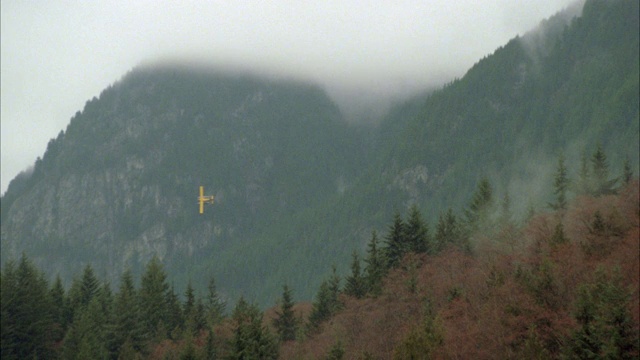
(299, 184)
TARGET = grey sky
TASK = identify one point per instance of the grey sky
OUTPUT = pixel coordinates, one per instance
(56, 55)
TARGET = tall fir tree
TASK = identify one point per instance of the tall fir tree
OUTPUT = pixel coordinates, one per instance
(355, 284)
(602, 185)
(449, 232)
(286, 323)
(251, 340)
(127, 318)
(26, 322)
(153, 299)
(417, 232)
(214, 306)
(375, 265)
(478, 211)
(396, 245)
(605, 325)
(560, 185)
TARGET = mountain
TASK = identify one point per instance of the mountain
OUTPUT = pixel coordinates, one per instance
(120, 185)
(297, 188)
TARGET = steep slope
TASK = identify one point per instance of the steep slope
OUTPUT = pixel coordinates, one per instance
(295, 188)
(120, 184)
(563, 88)
(560, 89)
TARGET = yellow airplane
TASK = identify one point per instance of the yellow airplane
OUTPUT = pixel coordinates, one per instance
(202, 199)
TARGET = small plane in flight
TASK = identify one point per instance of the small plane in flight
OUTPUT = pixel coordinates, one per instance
(202, 199)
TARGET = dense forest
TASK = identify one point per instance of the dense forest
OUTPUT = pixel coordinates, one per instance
(297, 187)
(476, 283)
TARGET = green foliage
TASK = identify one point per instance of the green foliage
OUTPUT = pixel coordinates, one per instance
(375, 265)
(449, 232)
(396, 242)
(286, 323)
(214, 306)
(421, 341)
(478, 211)
(560, 185)
(559, 236)
(153, 299)
(326, 302)
(355, 284)
(26, 321)
(128, 332)
(336, 352)
(251, 339)
(605, 325)
(417, 232)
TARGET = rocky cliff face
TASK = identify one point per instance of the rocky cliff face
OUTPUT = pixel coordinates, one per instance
(120, 184)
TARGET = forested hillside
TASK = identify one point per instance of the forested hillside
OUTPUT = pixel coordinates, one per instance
(296, 187)
(563, 285)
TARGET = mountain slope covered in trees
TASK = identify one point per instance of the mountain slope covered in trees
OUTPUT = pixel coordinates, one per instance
(296, 187)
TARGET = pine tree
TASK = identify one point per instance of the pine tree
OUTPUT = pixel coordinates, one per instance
(605, 324)
(127, 318)
(326, 303)
(26, 312)
(153, 295)
(449, 232)
(600, 166)
(396, 245)
(86, 338)
(189, 309)
(374, 269)
(560, 186)
(175, 319)
(88, 286)
(251, 339)
(417, 232)
(215, 307)
(355, 284)
(58, 301)
(478, 210)
(321, 308)
(285, 322)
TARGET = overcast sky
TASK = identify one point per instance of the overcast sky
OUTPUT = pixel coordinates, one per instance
(56, 55)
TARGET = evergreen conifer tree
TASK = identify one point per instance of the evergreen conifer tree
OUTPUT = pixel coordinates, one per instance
(477, 212)
(417, 232)
(375, 264)
(396, 245)
(127, 321)
(215, 306)
(88, 286)
(560, 186)
(449, 232)
(153, 295)
(285, 322)
(605, 324)
(251, 339)
(58, 301)
(600, 167)
(26, 312)
(355, 284)
(175, 319)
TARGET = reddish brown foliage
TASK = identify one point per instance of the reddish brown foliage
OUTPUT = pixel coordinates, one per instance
(513, 299)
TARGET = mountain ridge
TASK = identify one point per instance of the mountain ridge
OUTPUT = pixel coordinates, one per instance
(296, 186)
